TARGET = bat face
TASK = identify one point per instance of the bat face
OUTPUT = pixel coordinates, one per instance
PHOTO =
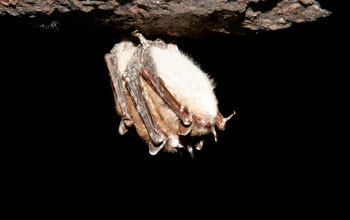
(160, 91)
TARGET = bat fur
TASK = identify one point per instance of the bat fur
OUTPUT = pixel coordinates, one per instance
(187, 83)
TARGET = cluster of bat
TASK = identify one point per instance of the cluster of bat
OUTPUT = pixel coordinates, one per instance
(160, 91)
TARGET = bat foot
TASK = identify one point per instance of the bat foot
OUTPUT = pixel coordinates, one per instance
(176, 143)
(142, 39)
(122, 128)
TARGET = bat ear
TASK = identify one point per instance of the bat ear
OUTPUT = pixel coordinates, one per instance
(153, 150)
(221, 121)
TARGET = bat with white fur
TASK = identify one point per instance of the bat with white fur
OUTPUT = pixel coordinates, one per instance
(160, 91)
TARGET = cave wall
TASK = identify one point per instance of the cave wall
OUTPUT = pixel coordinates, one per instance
(174, 18)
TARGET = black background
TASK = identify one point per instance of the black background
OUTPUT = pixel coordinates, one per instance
(64, 126)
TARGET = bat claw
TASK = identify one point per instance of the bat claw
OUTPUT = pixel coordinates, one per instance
(184, 130)
(122, 128)
(157, 138)
(124, 123)
(153, 150)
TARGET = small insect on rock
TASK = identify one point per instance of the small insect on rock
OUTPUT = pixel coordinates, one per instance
(162, 93)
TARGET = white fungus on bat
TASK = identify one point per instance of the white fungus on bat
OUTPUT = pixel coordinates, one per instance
(187, 82)
(164, 94)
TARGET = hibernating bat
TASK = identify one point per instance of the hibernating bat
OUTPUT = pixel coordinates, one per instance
(162, 93)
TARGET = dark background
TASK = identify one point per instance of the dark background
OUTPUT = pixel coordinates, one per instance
(63, 124)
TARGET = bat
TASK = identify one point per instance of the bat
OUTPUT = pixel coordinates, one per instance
(164, 94)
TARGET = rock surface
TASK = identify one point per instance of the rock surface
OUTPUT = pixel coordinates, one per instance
(191, 18)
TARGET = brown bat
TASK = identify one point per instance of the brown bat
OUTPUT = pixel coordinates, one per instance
(162, 93)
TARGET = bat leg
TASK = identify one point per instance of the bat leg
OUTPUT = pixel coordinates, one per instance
(221, 121)
(134, 86)
(119, 93)
(149, 73)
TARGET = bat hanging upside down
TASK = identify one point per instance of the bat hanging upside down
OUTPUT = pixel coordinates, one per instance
(162, 93)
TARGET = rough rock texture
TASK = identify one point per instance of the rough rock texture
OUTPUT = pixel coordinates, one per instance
(191, 18)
